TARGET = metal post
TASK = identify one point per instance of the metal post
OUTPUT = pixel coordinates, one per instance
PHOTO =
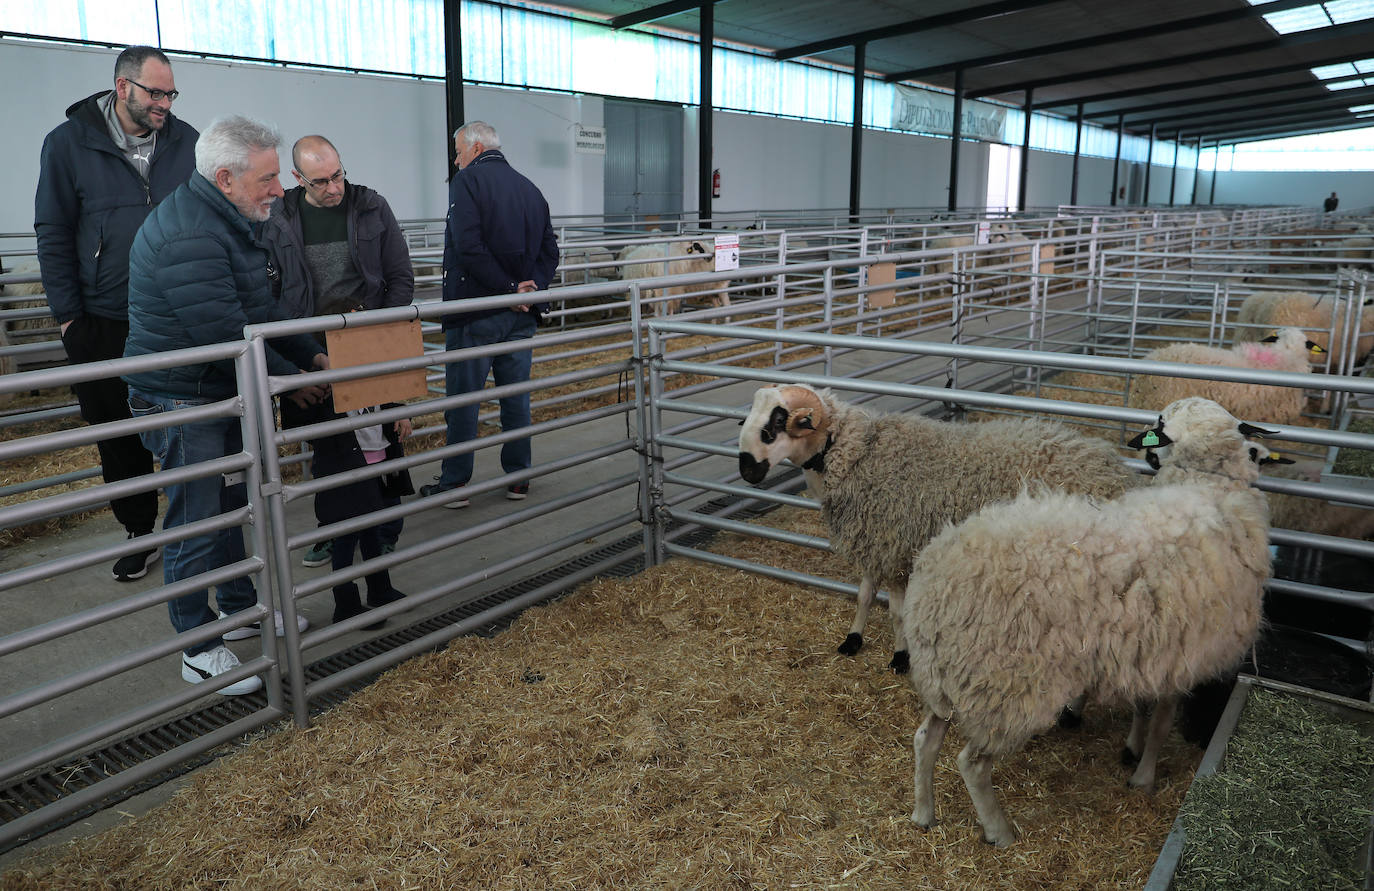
(856, 133)
(453, 73)
(954, 139)
(1173, 171)
(1197, 166)
(645, 432)
(1025, 153)
(654, 495)
(1116, 164)
(1077, 149)
(264, 494)
(1149, 164)
(706, 53)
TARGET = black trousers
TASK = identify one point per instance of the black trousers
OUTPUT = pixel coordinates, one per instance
(90, 339)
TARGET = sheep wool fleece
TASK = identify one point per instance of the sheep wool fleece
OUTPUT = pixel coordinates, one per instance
(892, 482)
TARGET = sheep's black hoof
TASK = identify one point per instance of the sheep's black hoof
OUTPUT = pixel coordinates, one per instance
(901, 662)
(853, 642)
(1070, 719)
(1129, 758)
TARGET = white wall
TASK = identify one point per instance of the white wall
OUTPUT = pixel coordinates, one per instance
(390, 131)
(1301, 188)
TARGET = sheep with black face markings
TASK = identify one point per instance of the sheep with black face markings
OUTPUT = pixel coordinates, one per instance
(1322, 317)
(889, 483)
(1025, 603)
(654, 259)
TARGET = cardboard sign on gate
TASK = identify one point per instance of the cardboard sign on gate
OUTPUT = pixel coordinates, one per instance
(351, 347)
(882, 274)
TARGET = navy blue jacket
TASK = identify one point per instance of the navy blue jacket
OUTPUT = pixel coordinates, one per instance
(197, 276)
(90, 203)
(375, 242)
(497, 235)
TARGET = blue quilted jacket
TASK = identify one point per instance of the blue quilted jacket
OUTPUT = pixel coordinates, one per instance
(197, 276)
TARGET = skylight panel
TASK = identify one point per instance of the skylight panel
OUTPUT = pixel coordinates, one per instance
(1342, 11)
(1304, 18)
(1365, 66)
(1359, 108)
(1346, 84)
(1326, 71)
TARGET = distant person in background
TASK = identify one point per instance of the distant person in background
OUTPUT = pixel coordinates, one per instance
(100, 174)
(498, 239)
(1331, 203)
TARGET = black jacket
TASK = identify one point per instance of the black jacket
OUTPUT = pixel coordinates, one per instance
(339, 452)
(90, 203)
(375, 242)
(497, 235)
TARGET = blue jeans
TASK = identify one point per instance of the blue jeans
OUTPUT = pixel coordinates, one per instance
(178, 446)
(471, 375)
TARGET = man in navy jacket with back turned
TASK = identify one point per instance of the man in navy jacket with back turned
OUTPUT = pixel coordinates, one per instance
(498, 240)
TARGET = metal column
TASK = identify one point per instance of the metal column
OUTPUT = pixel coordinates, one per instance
(856, 133)
(1116, 164)
(453, 74)
(958, 131)
(1149, 163)
(1077, 150)
(1173, 171)
(706, 53)
(1197, 167)
(1025, 154)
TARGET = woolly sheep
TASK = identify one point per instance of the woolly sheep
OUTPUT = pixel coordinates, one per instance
(1313, 314)
(1026, 603)
(671, 258)
(8, 364)
(889, 483)
(1286, 350)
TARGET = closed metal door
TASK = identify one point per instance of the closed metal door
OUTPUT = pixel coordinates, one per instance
(643, 173)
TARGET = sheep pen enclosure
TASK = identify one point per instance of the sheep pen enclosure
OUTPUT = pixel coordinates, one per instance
(689, 727)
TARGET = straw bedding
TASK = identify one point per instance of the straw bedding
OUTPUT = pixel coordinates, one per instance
(691, 727)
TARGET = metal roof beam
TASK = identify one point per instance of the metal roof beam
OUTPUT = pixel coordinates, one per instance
(1336, 101)
(656, 12)
(1208, 81)
(1283, 121)
(1110, 113)
(1233, 137)
(1156, 30)
(1363, 28)
(943, 20)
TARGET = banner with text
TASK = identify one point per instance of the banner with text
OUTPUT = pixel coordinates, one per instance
(928, 112)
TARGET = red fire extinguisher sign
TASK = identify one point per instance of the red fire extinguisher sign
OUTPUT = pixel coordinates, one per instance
(715, 183)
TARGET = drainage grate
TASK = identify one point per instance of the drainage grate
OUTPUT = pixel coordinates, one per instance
(54, 782)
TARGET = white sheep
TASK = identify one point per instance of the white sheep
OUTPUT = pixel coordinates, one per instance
(1285, 350)
(34, 290)
(889, 483)
(1313, 314)
(661, 258)
(1026, 603)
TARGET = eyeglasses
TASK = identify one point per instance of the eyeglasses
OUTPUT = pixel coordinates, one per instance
(323, 181)
(156, 95)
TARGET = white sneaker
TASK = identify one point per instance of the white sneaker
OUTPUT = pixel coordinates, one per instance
(255, 628)
(212, 663)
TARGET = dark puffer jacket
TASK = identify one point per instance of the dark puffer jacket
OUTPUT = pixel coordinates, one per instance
(90, 202)
(197, 276)
(375, 243)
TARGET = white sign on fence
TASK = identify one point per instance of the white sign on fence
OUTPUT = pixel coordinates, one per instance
(589, 140)
(727, 252)
(928, 112)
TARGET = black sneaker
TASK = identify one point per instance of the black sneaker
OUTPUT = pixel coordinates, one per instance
(458, 498)
(135, 566)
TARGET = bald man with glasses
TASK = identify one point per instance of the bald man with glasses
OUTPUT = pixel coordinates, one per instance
(101, 172)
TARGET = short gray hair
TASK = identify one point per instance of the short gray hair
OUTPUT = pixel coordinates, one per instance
(229, 140)
(478, 131)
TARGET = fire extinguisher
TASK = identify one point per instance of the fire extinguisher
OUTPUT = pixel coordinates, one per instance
(715, 183)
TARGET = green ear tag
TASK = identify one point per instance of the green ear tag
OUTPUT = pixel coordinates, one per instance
(1150, 439)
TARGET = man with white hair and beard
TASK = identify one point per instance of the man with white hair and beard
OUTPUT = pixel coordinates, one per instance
(198, 274)
(118, 154)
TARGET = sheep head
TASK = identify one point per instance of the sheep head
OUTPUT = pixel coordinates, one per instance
(786, 423)
(1293, 340)
(1198, 434)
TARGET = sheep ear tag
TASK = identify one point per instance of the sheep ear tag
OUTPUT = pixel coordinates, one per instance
(1274, 458)
(1315, 348)
(1150, 439)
